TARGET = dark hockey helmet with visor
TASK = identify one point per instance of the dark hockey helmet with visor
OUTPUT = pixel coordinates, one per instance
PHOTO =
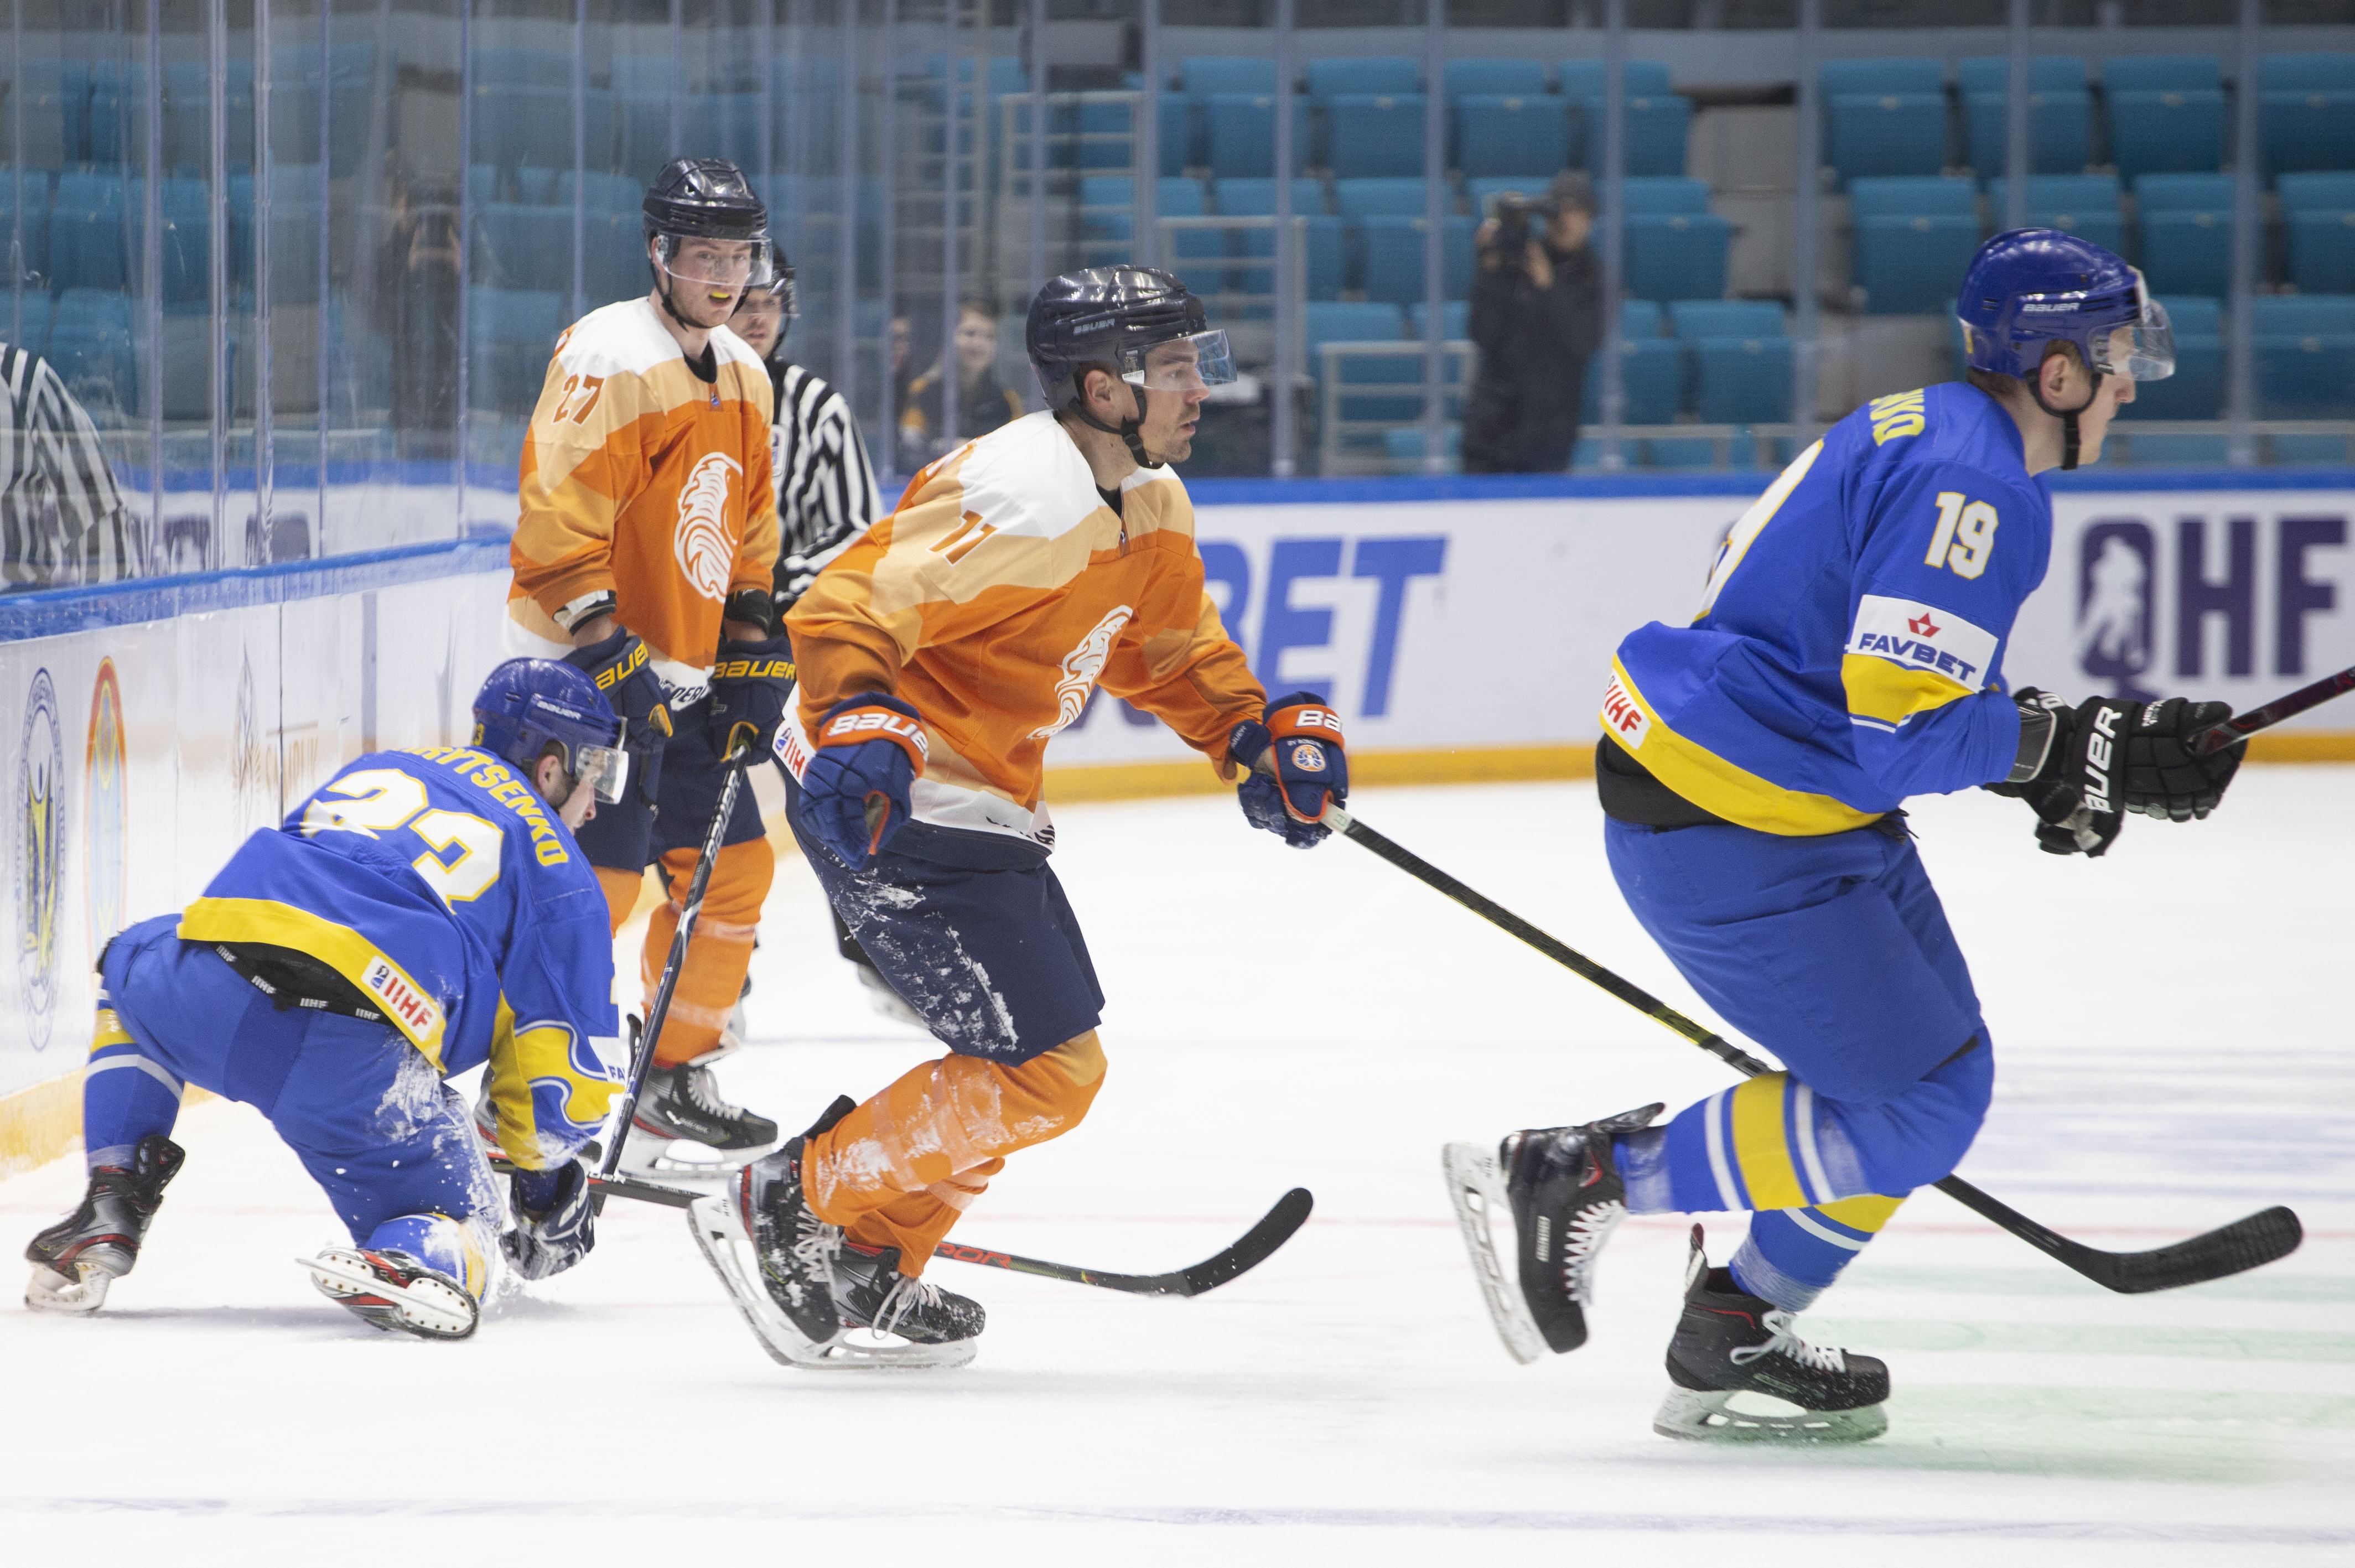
(1138, 322)
(710, 198)
(528, 703)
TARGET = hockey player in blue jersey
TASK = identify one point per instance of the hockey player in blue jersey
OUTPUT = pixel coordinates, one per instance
(1847, 653)
(422, 913)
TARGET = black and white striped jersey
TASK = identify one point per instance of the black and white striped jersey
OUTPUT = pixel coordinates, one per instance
(825, 487)
(62, 517)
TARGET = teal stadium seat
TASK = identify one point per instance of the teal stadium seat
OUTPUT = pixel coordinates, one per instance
(1388, 75)
(1239, 135)
(2082, 204)
(1500, 135)
(1390, 258)
(2196, 390)
(2306, 357)
(1498, 79)
(1374, 133)
(2166, 113)
(1323, 264)
(1741, 352)
(2318, 211)
(2187, 233)
(1914, 237)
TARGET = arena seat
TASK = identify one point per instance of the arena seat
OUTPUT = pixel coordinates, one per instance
(1203, 75)
(1239, 135)
(1498, 134)
(2082, 204)
(2318, 211)
(2162, 129)
(1657, 128)
(1383, 195)
(2196, 390)
(1391, 75)
(2060, 130)
(1914, 237)
(1374, 133)
(2162, 73)
(1873, 134)
(2306, 357)
(1256, 198)
(1583, 78)
(2187, 233)
(1676, 255)
(1390, 258)
(1497, 79)
(2306, 129)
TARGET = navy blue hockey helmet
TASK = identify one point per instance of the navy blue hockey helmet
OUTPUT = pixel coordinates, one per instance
(1138, 322)
(2030, 287)
(708, 198)
(528, 703)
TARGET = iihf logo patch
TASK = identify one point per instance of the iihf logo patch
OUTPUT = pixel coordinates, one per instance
(1308, 757)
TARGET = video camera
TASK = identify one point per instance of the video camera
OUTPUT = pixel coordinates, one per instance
(1513, 211)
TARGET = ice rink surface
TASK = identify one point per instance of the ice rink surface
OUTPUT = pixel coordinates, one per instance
(2173, 1039)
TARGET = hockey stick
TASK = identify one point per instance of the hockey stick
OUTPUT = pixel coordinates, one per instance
(739, 746)
(2241, 726)
(2244, 1244)
(1252, 1249)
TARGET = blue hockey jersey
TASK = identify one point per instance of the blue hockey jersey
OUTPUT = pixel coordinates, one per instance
(439, 885)
(1850, 644)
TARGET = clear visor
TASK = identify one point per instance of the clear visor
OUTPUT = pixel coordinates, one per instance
(604, 769)
(723, 266)
(1191, 364)
(2144, 350)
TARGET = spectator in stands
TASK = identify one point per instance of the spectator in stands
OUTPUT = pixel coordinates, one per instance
(1537, 315)
(901, 335)
(983, 402)
(62, 518)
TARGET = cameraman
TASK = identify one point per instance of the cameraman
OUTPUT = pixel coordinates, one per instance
(1537, 315)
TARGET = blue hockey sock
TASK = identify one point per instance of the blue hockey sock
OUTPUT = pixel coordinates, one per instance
(439, 1243)
(1792, 1255)
(126, 1094)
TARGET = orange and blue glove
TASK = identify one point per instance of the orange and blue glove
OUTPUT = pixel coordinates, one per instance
(1297, 767)
(870, 751)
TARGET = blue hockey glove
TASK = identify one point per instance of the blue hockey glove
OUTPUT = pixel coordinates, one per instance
(1297, 767)
(556, 1218)
(623, 667)
(751, 684)
(869, 750)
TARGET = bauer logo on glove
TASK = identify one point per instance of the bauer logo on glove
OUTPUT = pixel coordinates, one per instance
(1297, 767)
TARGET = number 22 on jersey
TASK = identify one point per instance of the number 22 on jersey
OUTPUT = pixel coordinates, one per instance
(386, 800)
(1965, 535)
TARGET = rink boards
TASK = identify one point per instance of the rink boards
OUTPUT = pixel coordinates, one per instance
(1462, 628)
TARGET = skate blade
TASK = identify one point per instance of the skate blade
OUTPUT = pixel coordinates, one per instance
(1476, 1187)
(681, 1160)
(720, 1236)
(1708, 1416)
(71, 1295)
(428, 1309)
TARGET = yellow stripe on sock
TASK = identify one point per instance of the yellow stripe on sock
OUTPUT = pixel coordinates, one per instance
(1868, 1213)
(1763, 1153)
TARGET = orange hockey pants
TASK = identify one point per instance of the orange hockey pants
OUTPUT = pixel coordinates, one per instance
(721, 950)
(898, 1171)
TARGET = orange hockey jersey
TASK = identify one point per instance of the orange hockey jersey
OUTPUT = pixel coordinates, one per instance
(996, 597)
(644, 481)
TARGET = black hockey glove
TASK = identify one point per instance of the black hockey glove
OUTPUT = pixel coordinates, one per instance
(752, 682)
(556, 1220)
(2083, 768)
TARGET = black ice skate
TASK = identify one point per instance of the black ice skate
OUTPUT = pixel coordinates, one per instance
(1741, 1373)
(870, 1291)
(1565, 1197)
(76, 1259)
(783, 1267)
(395, 1291)
(683, 1127)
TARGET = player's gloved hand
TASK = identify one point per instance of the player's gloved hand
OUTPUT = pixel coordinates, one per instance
(751, 682)
(1297, 767)
(623, 667)
(556, 1218)
(868, 751)
(2105, 757)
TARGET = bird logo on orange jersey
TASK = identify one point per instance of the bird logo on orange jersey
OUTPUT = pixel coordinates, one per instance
(705, 549)
(1081, 666)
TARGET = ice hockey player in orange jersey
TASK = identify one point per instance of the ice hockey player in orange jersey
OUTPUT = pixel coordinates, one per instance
(644, 554)
(938, 657)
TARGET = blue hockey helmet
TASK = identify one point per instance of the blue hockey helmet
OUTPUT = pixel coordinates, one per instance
(2028, 287)
(528, 703)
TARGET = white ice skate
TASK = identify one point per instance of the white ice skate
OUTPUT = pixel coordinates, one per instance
(79, 1294)
(1476, 1187)
(393, 1290)
(726, 1242)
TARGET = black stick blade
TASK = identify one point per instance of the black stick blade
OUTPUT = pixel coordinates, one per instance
(2245, 1244)
(1274, 1228)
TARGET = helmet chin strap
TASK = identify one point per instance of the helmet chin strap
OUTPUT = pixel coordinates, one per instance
(1127, 430)
(2068, 416)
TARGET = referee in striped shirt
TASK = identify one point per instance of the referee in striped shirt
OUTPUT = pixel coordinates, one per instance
(826, 498)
